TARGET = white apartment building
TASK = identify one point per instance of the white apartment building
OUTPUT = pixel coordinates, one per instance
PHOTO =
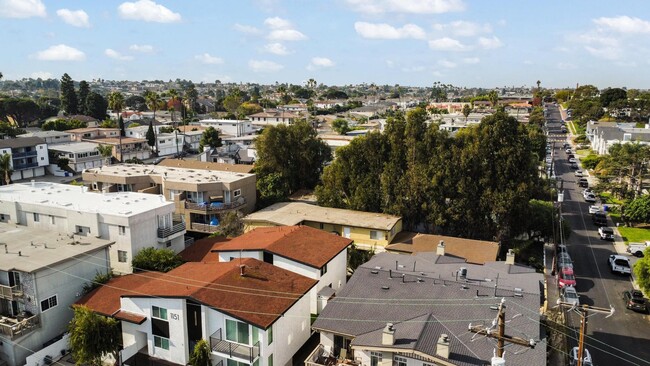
(134, 221)
(230, 127)
(81, 155)
(29, 156)
(50, 137)
(41, 275)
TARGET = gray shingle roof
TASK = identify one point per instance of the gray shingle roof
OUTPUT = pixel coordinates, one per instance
(422, 310)
(21, 142)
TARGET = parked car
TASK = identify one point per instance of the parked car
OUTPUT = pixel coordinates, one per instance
(574, 166)
(586, 357)
(595, 208)
(599, 219)
(568, 151)
(578, 173)
(590, 198)
(583, 182)
(569, 295)
(572, 160)
(606, 233)
(637, 249)
(634, 301)
(158, 160)
(549, 159)
(564, 130)
(564, 261)
(620, 264)
(566, 278)
(587, 190)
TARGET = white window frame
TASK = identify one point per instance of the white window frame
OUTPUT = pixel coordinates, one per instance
(49, 300)
(162, 339)
(236, 193)
(153, 310)
(122, 256)
(37, 217)
(377, 235)
(121, 229)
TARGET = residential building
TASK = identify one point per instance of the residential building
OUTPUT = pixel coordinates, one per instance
(231, 127)
(368, 230)
(473, 251)
(81, 155)
(294, 108)
(133, 221)
(421, 308)
(251, 312)
(314, 253)
(92, 133)
(29, 156)
(41, 275)
(273, 117)
(602, 135)
(50, 137)
(200, 193)
(327, 104)
(126, 148)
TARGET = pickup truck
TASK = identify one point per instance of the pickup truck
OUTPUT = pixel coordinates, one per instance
(637, 249)
(620, 264)
(606, 233)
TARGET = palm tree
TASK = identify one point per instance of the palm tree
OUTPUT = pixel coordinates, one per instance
(116, 103)
(106, 151)
(5, 167)
(173, 97)
(153, 102)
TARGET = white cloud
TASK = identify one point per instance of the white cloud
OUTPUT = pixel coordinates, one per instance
(447, 64)
(390, 63)
(116, 55)
(471, 60)
(607, 53)
(41, 75)
(566, 66)
(594, 38)
(489, 43)
(406, 6)
(61, 52)
(277, 23)
(144, 48)
(277, 49)
(624, 24)
(286, 35)
(148, 11)
(413, 69)
(264, 66)
(76, 18)
(246, 29)
(446, 44)
(463, 28)
(208, 59)
(22, 9)
(319, 63)
(386, 31)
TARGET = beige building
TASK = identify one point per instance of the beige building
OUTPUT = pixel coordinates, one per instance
(368, 230)
(202, 192)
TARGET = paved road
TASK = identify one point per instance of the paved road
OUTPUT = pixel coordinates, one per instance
(624, 338)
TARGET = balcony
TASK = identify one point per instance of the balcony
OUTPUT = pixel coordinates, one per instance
(320, 356)
(25, 166)
(164, 233)
(25, 154)
(10, 292)
(214, 207)
(204, 228)
(19, 326)
(222, 347)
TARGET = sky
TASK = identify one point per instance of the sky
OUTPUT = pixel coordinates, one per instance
(472, 43)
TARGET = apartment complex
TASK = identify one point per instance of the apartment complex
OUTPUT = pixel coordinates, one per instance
(133, 221)
(201, 194)
(29, 156)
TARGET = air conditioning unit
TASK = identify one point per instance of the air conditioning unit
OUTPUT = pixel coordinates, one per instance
(95, 186)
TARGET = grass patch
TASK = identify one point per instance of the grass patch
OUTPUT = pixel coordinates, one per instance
(572, 128)
(634, 234)
(583, 152)
(608, 198)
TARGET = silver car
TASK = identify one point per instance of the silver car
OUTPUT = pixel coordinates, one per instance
(569, 295)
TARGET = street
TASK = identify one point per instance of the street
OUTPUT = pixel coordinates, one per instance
(624, 338)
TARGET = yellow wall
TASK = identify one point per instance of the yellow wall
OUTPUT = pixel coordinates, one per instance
(250, 225)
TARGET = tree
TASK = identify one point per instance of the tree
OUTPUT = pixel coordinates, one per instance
(108, 123)
(116, 103)
(121, 126)
(493, 97)
(231, 224)
(151, 136)
(611, 95)
(82, 97)
(106, 151)
(69, 101)
(100, 279)
(63, 125)
(248, 108)
(5, 167)
(173, 99)
(340, 125)
(232, 102)
(466, 111)
(201, 355)
(272, 188)
(153, 102)
(210, 137)
(93, 336)
(357, 257)
(642, 271)
(638, 210)
(152, 259)
(96, 106)
(63, 164)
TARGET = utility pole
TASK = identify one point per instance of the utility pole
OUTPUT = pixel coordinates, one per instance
(499, 334)
(584, 311)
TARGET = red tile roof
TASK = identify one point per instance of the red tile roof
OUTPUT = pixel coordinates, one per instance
(130, 317)
(302, 244)
(201, 250)
(259, 297)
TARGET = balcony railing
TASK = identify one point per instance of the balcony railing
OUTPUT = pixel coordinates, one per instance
(17, 327)
(164, 233)
(232, 349)
(321, 356)
(207, 207)
(25, 166)
(10, 292)
(204, 228)
(24, 154)
(189, 241)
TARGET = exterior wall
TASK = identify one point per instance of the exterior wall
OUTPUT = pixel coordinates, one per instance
(290, 332)
(361, 235)
(250, 225)
(225, 256)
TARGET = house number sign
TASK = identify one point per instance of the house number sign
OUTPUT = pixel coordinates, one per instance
(174, 316)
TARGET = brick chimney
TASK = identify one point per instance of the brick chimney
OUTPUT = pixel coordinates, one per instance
(442, 348)
(388, 336)
(440, 250)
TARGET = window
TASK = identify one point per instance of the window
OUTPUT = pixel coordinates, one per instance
(256, 335)
(375, 235)
(399, 361)
(270, 362)
(269, 335)
(236, 193)
(49, 303)
(121, 256)
(375, 358)
(52, 220)
(37, 217)
(235, 363)
(237, 331)
(121, 230)
(161, 342)
(322, 226)
(323, 269)
(160, 313)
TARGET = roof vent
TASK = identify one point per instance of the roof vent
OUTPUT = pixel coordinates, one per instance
(385, 287)
(374, 272)
(462, 273)
(519, 292)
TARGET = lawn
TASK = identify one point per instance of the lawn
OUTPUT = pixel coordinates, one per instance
(608, 198)
(572, 128)
(631, 234)
(583, 152)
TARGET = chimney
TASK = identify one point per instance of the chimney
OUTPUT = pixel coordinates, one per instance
(442, 348)
(440, 250)
(242, 270)
(388, 337)
(33, 183)
(510, 257)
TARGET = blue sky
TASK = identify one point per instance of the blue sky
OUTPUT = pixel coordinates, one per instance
(483, 43)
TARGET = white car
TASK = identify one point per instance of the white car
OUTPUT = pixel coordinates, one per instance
(568, 151)
(620, 264)
(549, 159)
(569, 295)
(578, 173)
(572, 160)
(590, 198)
(586, 357)
(594, 208)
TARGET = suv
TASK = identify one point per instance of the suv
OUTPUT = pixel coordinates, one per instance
(583, 182)
(566, 278)
(634, 300)
(606, 233)
(599, 219)
(620, 264)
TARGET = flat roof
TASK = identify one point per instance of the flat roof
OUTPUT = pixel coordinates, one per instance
(206, 165)
(474, 251)
(22, 142)
(88, 129)
(44, 134)
(73, 147)
(115, 140)
(78, 198)
(293, 213)
(42, 248)
(172, 174)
